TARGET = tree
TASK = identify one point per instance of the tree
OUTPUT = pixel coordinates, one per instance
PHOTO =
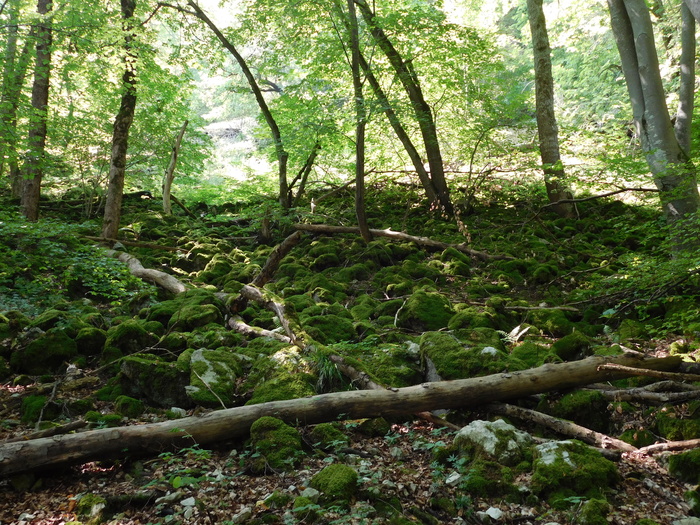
(122, 124)
(554, 176)
(672, 171)
(686, 92)
(34, 165)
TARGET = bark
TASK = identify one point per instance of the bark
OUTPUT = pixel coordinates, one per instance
(282, 155)
(34, 165)
(170, 171)
(163, 279)
(360, 123)
(694, 6)
(235, 422)
(120, 133)
(302, 176)
(423, 113)
(674, 175)
(421, 241)
(686, 92)
(554, 176)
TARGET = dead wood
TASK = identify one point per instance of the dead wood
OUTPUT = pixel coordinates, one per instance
(239, 326)
(250, 292)
(670, 446)
(162, 279)
(235, 422)
(674, 376)
(643, 395)
(184, 208)
(400, 236)
(561, 426)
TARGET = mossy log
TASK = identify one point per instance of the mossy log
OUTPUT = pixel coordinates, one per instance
(137, 269)
(235, 422)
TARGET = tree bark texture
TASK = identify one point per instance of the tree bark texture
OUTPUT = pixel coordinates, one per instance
(424, 115)
(282, 155)
(686, 91)
(170, 171)
(674, 175)
(120, 133)
(34, 164)
(694, 6)
(167, 281)
(554, 176)
(235, 422)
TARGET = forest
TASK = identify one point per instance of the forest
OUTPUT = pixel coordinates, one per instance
(349, 262)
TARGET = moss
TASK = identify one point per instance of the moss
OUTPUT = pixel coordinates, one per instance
(286, 386)
(672, 427)
(165, 310)
(278, 445)
(48, 353)
(488, 479)
(277, 500)
(530, 353)
(494, 440)
(305, 509)
(692, 498)
(374, 427)
(337, 483)
(213, 374)
(566, 469)
(553, 322)
(129, 337)
(103, 420)
(686, 466)
(330, 328)
(646, 521)
(327, 436)
(588, 408)
(573, 346)
(90, 340)
(454, 359)
(162, 383)
(129, 406)
(190, 317)
(425, 311)
(395, 365)
(632, 329)
(298, 303)
(92, 506)
(544, 273)
(638, 437)
(471, 318)
(594, 512)
(32, 407)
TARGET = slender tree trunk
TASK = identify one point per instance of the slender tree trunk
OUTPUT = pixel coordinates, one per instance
(34, 165)
(170, 171)
(282, 155)
(674, 175)
(694, 6)
(686, 92)
(421, 108)
(360, 123)
(554, 176)
(120, 135)
(303, 176)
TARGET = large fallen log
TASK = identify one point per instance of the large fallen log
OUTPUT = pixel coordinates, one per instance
(235, 422)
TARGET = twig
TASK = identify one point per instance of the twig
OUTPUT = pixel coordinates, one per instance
(676, 376)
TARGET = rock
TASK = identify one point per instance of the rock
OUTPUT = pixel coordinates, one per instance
(496, 439)
(425, 311)
(336, 482)
(278, 446)
(162, 383)
(243, 516)
(212, 376)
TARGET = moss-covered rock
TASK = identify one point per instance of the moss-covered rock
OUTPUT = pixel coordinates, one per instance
(675, 427)
(454, 359)
(328, 436)
(129, 406)
(425, 311)
(532, 354)
(551, 322)
(213, 374)
(277, 444)
(34, 407)
(588, 408)
(165, 310)
(594, 512)
(572, 347)
(337, 483)
(686, 466)
(49, 353)
(638, 437)
(374, 427)
(162, 383)
(305, 510)
(90, 340)
(488, 479)
(471, 317)
(565, 469)
(330, 328)
(494, 440)
(129, 337)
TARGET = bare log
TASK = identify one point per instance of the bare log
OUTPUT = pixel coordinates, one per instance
(235, 422)
(163, 279)
(138, 244)
(400, 236)
(632, 371)
(243, 328)
(670, 446)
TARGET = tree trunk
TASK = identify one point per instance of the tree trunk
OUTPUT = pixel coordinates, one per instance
(554, 176)
(170, 171)
(673, 173)
(34, 165)
(360, 123)
(686, 91)
(694, 6)
(282, 155)
(421, 108)
(235, 422)
(120, 135)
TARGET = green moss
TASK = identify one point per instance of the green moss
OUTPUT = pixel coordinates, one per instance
(49, 353)
(471, 318)
(213, 375)
(103, 420)
(278, 445)
(552, 322)
(573, 346)
(286, 386)
(130, 337)
(594, 512)
(425, 311)
(298, 303)
(305, 510)
(646, 521)
(672, 426)
(337, 483)
(569, 468)
(32, 407)
(632, 329)
(686, 466)
(92, 506)
(90, 340)
(588, 408)
(374, 427)
(395, 365)
(162, 383)
(190, 317)
(638, 438)
(488, 479)
(530, 353)
(327, 436)
(454, 359)
(129, 407)
(494, 441)
(330, 328)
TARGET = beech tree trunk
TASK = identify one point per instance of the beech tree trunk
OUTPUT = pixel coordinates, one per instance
(673, 173)
(120, 134)
(170, 171)
(34, 165)
(554, 176)
(235, 422)
(686, 91)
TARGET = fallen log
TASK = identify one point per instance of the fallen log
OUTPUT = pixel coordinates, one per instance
(400, 236)
(235, 422)
(137, 269)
